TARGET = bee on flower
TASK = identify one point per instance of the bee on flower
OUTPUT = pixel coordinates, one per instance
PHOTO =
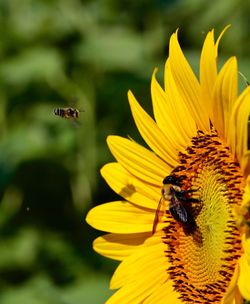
(199, 135)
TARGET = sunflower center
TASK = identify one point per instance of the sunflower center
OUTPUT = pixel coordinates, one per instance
(203, 262)
(209, 238)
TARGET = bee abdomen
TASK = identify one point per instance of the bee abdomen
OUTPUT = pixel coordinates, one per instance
(59, 112)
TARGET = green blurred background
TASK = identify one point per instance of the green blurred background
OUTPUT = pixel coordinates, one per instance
(95, 50)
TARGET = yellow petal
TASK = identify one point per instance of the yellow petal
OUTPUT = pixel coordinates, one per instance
(238, 136)
(225, 96)
(152, 134)
(119, 246)
(130, 187)
(219, 38)
(187, 84)
(164, 294)
(181, 114)
(171, 113)
(150, 253)
(237, 297)
(136, 292)
(246, 246)
(246, 163)
(230, 294)
(208, 69)
(140, 162)
(246, 196)
(141, 273)
(244, 277)
(121, 217)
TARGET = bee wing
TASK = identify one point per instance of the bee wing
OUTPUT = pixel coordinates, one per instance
(156, 219)
(74, 102)
(75, 122)
(178, 211)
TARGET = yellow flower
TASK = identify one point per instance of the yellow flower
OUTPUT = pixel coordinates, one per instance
(199, 250)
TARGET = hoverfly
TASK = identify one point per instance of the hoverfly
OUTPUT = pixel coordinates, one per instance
(179, 204)
(68, 113)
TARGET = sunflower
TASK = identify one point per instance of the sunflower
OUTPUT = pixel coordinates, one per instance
(181, 231)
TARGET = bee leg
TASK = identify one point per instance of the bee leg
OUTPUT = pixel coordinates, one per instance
(182, 195)
(192, 190)
(192, 200)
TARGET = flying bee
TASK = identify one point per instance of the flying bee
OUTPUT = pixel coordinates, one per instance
(68, 113)
(179, 204)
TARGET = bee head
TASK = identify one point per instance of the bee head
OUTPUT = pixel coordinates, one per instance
(174, 180)
(171, 180)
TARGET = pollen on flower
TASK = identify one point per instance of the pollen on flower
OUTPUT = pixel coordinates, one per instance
(203, 263)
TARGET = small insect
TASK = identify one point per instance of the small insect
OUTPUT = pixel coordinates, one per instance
(179, 205)
(68, 113)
